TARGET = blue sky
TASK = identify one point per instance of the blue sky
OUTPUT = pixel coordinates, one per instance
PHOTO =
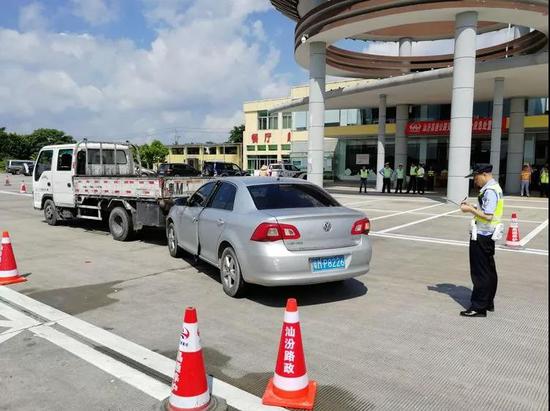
(141, 69)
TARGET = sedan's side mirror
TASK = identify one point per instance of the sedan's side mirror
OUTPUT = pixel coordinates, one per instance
(181, 201)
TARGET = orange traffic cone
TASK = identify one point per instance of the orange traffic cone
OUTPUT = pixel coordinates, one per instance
(8, 266)
(7, 181)
(290, 386)
(189, 386)
(512, 238)
(23, 188)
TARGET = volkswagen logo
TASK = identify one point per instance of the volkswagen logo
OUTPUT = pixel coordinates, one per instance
(327, 226)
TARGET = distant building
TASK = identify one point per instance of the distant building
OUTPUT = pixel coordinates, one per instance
(196, 154)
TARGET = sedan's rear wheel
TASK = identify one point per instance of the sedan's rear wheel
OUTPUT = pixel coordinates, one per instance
(230, 272)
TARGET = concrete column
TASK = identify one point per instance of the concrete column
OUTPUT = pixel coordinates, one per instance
(405, 50)
(514, 161)
(462, 102)
(317, 71)
(401, 119)
(496, 128)
(381, 146)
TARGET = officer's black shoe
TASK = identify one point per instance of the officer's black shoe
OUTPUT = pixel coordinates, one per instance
(491, 308)
(473, 313)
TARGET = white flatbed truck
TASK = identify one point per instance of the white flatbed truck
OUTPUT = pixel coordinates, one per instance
(103, 181)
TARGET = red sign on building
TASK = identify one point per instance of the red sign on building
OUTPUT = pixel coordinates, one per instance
(443, 127)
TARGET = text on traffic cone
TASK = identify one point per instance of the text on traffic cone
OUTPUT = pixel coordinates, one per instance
(290, 386)
(512, 237)
(189, 386)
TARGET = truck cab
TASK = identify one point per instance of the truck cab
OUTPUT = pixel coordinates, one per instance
(57, 165)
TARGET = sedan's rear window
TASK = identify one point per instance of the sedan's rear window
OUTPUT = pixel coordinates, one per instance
(272, 196)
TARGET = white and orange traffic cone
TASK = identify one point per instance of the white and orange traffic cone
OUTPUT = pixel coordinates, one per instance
(23, 188)
(189, 387)
(290, 386)
(8, 267)
(512, 238)
(7, 181)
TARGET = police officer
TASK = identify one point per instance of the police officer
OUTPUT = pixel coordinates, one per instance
(386, 173)
(420, 182)
(400, 174)
(363, 174)
(412, 179)
(544, 181)
(486, 228)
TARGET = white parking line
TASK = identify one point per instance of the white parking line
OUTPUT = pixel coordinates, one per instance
(406, 212)
(13, 193)
(387, 230)
(443, 241)
(234, 396)
(533, 233)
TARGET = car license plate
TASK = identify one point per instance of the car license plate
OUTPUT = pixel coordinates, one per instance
(328, 263)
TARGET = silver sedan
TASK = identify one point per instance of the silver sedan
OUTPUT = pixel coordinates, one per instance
(270, 232)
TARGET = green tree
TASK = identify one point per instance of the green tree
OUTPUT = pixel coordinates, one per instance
(236, 134)
(27, 146)
(153, 153)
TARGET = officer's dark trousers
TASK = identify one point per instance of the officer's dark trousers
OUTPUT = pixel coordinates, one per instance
(412, 184)
(399, 186)
(363, 184)
(483, 272)
(420, 184)
(386, 184)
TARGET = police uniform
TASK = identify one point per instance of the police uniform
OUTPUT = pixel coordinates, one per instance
(386, 173)
(420, 182)
(400, 174)
(364, 174)
(482, 246)
(412, 180)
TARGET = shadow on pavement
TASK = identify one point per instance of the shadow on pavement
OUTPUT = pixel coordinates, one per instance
(307, 294)
(459, 293)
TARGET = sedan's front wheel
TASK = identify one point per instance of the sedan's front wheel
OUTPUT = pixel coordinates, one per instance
(173, 248)
(230, 271)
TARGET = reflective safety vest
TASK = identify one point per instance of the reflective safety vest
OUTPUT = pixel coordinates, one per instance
(420, 172)
(387, 172)
(364, 173)
(431, 173)
(544, 177)
(413, 171)
(489, 225)
(400, 173)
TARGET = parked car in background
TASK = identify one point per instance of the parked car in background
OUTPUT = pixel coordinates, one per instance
(286, 170)
(20, 167)
(270, 232)
(145, 172)
(177, 170)
(216, 168)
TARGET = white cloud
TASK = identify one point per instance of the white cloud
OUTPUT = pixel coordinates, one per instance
(95, 12)
(31, 17)
(196, 73)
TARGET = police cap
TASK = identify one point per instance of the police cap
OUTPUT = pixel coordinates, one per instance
(480, 168)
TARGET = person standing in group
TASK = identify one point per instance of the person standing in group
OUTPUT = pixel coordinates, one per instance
(400, 174)
(363, 174)
(431, 179)
(486, 228)
(412, 179)
(420, 181)
(525, 180)
(264, 171)
(544, 181)
(386, 177)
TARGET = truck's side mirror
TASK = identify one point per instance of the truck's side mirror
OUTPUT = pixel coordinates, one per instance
(181, 201)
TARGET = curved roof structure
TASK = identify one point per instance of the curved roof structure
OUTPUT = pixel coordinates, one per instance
(418, 20)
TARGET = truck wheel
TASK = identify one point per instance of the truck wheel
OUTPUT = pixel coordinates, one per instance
(173, 248)
(50, 212)
(230, 272)
(120, 224)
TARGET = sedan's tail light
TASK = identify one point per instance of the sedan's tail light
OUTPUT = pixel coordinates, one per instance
(361, 227)
(275, 232)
